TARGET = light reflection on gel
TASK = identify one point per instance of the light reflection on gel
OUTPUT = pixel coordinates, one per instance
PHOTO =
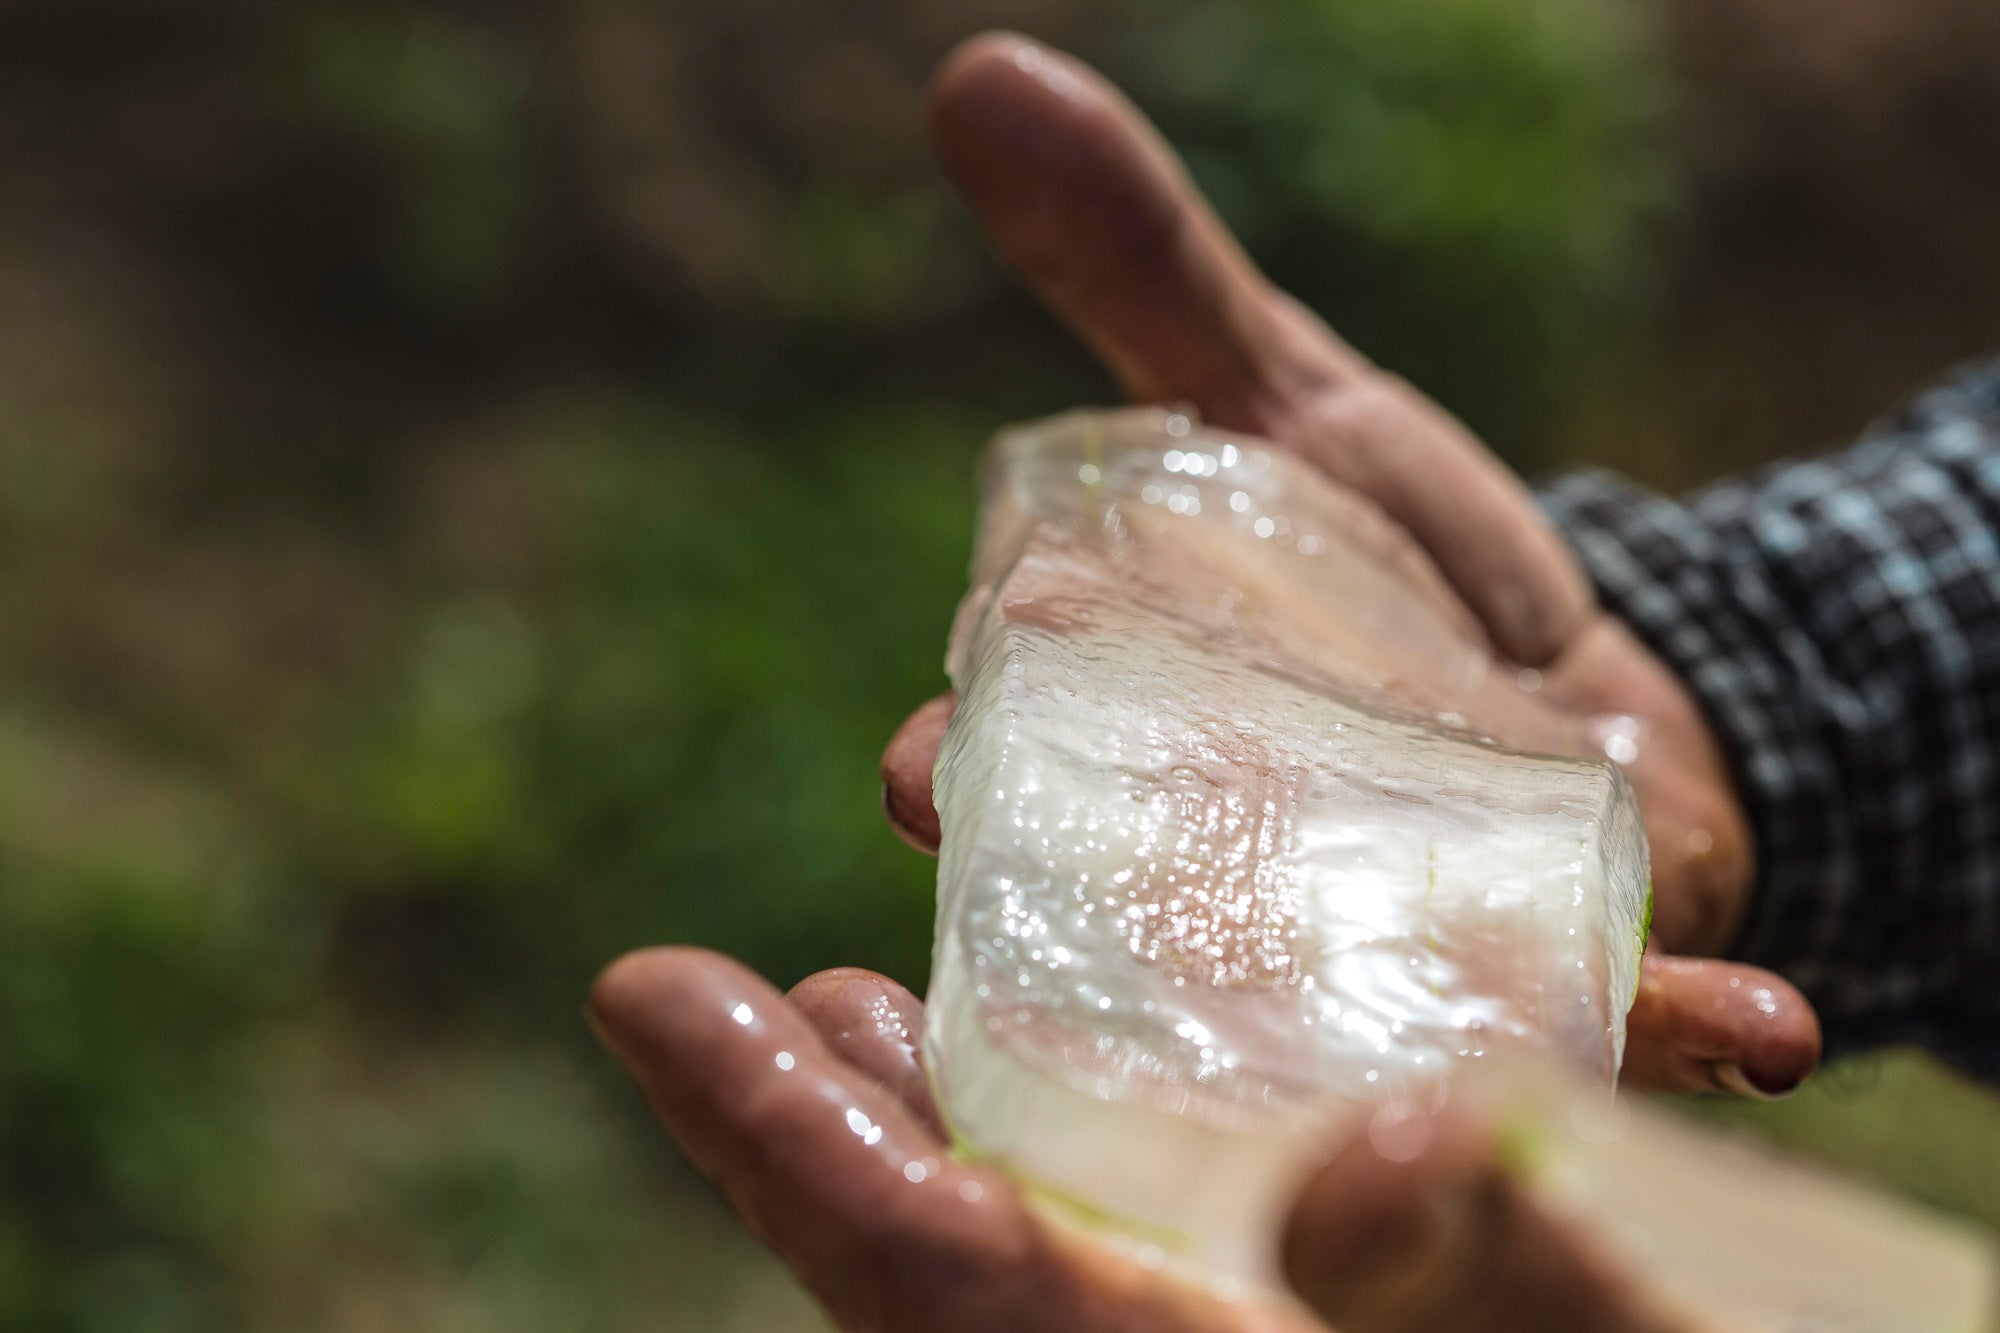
(1397, 1133)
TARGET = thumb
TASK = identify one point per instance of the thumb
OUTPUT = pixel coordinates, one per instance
(1417, 1227)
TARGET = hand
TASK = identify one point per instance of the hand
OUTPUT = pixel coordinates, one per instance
(812, 1115)
(1084, 198)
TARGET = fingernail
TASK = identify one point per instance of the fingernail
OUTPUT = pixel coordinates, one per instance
(1729, 1076)
(1390, 1257)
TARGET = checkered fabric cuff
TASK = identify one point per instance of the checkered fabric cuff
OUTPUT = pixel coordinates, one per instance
(1839, 621)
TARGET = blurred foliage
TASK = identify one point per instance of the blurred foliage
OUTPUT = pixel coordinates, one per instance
(477, 486)
(1462, 184)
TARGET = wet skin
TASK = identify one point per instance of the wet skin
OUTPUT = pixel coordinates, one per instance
(810, 1111)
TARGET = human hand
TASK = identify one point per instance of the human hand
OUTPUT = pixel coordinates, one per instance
(1083, 197)
(812, 1115)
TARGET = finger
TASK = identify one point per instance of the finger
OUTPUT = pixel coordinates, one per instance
(1472, 516)
(833, 1171)
(1415, 1227)
(837, 1176)
(906, 773)
(1082, 195)
(1702, 853)
(875, 1025)
(1701, 1025)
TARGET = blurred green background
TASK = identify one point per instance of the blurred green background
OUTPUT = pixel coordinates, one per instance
(479, 483)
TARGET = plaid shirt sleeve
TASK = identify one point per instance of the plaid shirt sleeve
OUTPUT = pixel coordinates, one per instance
(1839, 621)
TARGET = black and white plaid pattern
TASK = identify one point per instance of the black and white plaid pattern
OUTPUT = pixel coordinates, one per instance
(1839, 620)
